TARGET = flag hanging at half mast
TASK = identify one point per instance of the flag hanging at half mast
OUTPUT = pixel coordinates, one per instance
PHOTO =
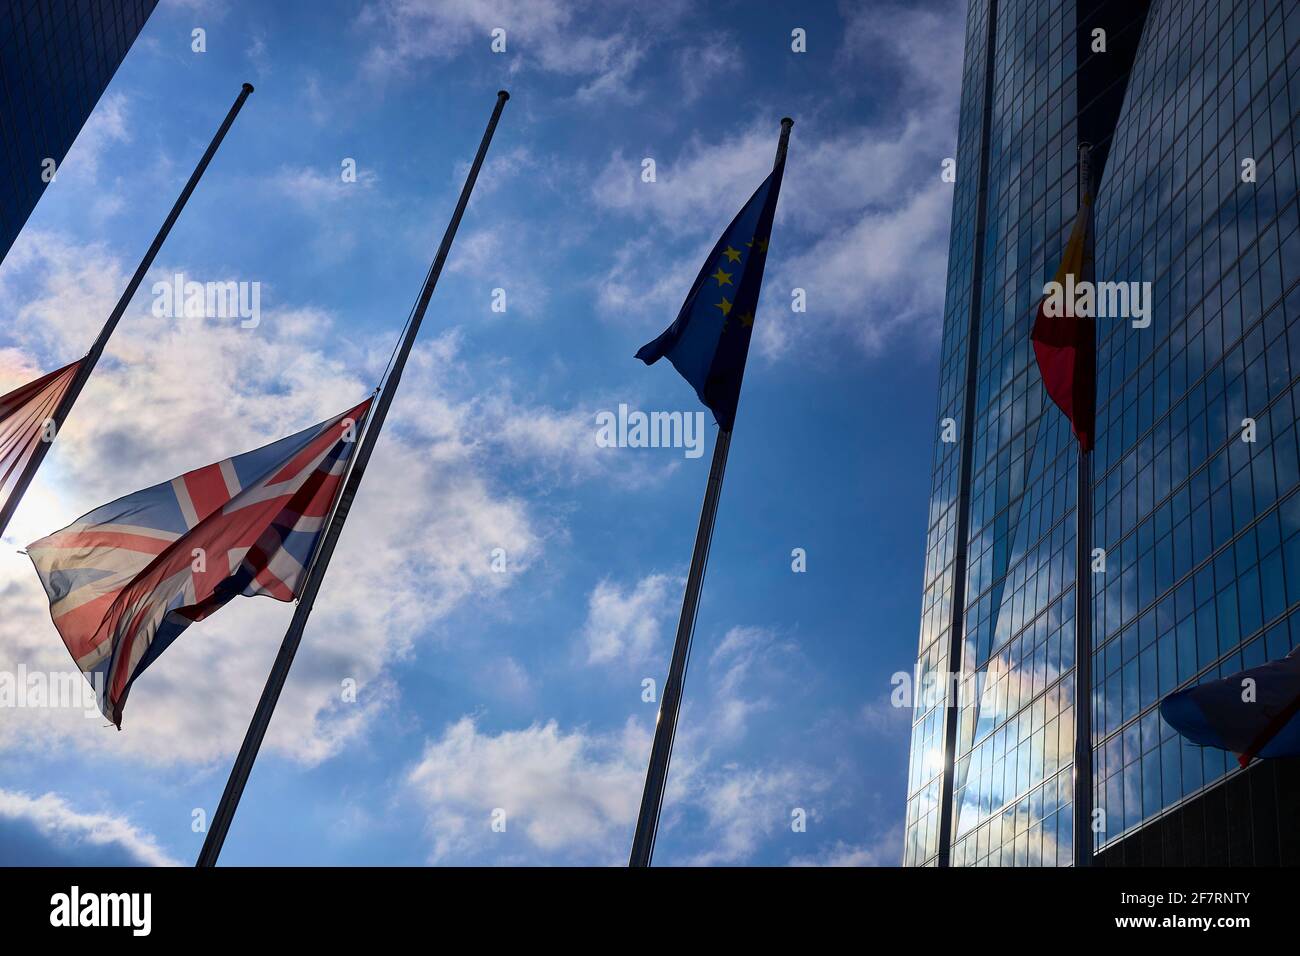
(709, 340)
(1254, 713)
(1065, 343)
(25, 414)
(126, 579)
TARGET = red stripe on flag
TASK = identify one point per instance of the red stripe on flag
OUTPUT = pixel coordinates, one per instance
(23, 414)
(328, 435)
(1066, 345)
(1271, 730)
(95, 538)
(79, 627)
(272, 585)
(207, 489)
(1066, 349)
(121, 666)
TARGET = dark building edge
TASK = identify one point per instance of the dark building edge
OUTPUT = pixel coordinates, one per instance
(10, 230)
(1245, 819)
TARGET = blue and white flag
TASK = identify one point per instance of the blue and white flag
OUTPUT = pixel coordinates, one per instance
(709, 340)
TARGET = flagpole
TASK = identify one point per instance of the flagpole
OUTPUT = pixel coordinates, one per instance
(656, 778)
(1083, 614)
(293, 637)
(97, 349)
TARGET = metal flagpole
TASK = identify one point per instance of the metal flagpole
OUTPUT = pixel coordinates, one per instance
(293, 637)
(92, 357)
(647, 824)
(1083, 606)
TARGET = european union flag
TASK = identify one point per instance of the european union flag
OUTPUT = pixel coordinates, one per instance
(709, 340)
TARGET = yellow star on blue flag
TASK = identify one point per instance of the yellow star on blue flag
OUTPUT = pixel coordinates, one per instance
(703, 344)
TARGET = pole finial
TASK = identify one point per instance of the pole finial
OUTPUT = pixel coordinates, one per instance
(783, 141)
(503, 94)
(248, 87)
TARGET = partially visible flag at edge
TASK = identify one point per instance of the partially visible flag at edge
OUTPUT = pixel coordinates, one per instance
(708, 342)
(1066, 345)
(23, 416)
(127, 579)
(1254, 713)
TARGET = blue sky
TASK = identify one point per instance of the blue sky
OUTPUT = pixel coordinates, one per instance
(519, 690)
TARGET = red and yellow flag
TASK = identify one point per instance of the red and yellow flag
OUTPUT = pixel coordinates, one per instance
(1065, 341)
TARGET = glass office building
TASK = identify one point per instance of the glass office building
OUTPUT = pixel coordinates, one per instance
(1191, 108)
(56, 58)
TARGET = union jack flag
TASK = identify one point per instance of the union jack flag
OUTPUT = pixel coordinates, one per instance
(24, 413)
(126, 579)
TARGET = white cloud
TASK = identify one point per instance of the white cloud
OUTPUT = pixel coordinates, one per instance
(624, 624)
(258, 56)
(925, 46)
(322, 194)
(495, 256)
(216, 8)
(613, 81)
(108, 124)
(567, 792)
(743, 661)
(862, 223)
(629, 292)
(78, 172)
(553, 35)
(700, 66)
(574, 794)
(881, 717)
(746, 807)
(69, 831)
(560, 441)
(545, 445)
(887, 851)
(698, 191)
(860, 226)
(878, 277)
(17, 367)
(502, 166)
(511, 679)
(313, 189)
(600, 45)
(321, 106)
